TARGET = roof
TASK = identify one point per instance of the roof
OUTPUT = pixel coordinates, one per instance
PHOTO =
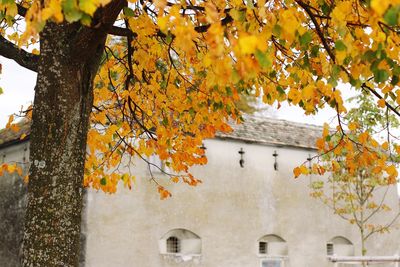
(270, 131)
(261, 130)
(9, 136)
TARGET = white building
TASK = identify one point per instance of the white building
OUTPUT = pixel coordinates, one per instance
(256, 214)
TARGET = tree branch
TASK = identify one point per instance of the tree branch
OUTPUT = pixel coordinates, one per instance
(375, 93)
(88, 40)
(120, 31)
(21, 10)
(23, 58)
(317, 29)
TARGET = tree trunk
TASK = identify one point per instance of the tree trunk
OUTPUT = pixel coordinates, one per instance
(62, 105)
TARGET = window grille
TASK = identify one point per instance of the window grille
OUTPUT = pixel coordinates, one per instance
(272, 263)
(329, 249)
(173, 245)
(263, 247)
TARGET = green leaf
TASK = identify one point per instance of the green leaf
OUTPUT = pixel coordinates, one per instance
(276, 30)
(325, 8)
(394, 81)
(128, 12)
(280, 90)
(305, 39)
(355, 82)
(369, 55)
(391, 16)
(340, 46)
(86, 20)
(396, 70)
(381, 76)
(165, 121)
(1, 90)
(335, 71)
(192, 112)
(238, 15)
(7, 2)
(228, 91)
(314, 51)
(263, 59)
(71, 10)
(103, 181)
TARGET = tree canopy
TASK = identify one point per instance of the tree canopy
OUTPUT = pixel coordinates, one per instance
(172, 71)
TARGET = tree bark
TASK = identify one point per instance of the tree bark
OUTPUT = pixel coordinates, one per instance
(62, 105)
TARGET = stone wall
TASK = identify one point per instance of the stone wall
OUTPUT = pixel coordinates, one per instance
(12, 211)
(13, 201)
(12, 206)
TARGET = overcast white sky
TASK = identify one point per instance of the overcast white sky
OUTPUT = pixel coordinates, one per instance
(18, 85)
(18, 89)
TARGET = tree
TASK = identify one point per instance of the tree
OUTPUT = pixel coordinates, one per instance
(360, 173)
(170, 77)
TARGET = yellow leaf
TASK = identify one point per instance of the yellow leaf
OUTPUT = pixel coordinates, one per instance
(391, 170)
(19, 170)
(11, 168)
(353, 126)
(320, 144)
(87, 6)
(337, 150)
(385, 146)
(10, 120)
(15, 128)
(162, 23)
(163, 193)
(248, 44)
(296, 172)
(308, 92)
(304, 169)
(300, 170)
(380, 6)
(381, 103)
(363, 137)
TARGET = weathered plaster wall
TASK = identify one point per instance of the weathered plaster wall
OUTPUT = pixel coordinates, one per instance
(230, 211)
(12, 206)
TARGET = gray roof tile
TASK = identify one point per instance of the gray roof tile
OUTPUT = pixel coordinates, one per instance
(270, 131)
(261, 130)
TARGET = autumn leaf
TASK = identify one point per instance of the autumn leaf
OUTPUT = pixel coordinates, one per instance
(381, 103)
(163, 193)
(248, 44)
(10, 120)
(353, 126)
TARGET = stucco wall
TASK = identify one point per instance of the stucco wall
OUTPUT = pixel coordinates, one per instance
(230, 211)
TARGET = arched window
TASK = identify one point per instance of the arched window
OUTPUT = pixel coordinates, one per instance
(272, 250)
(180, 241)
(272, 245)
(173, 245)
(340, 246)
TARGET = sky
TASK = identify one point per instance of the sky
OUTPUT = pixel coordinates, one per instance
(18, 90)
